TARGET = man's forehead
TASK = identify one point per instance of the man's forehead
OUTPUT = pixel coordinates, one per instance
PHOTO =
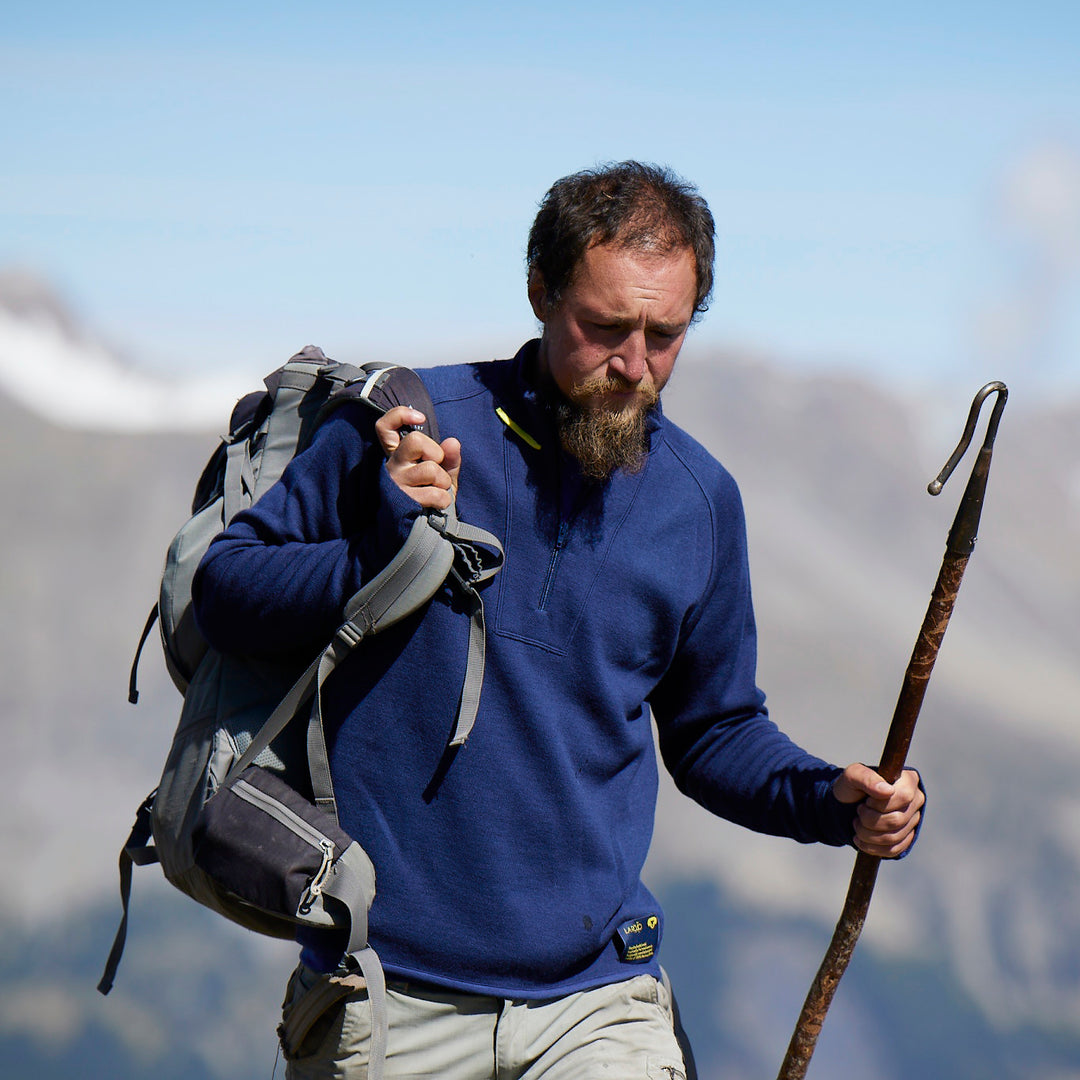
(626, 262)
(619, 254)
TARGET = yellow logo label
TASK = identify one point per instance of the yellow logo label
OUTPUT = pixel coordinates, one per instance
(653, 921)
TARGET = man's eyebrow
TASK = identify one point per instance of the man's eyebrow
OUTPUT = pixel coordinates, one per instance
(658, 327)
(623, 319)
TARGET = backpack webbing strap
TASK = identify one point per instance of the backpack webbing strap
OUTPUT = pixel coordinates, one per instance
(472, 573)
(136, 852)
(474, 670)
(376, 984)
(351, 883)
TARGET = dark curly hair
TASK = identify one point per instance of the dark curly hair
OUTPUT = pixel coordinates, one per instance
(631, 204)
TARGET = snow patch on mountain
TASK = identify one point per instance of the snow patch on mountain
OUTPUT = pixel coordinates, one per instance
(49, 366)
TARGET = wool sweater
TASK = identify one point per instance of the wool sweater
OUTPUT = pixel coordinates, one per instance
(509, 867)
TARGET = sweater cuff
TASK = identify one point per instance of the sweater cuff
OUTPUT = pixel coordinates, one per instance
(837, 822)
(838, 819)
(394, 517)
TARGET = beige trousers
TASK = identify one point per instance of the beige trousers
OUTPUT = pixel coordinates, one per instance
(619, 1032)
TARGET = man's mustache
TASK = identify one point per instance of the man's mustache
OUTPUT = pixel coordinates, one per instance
(645, 392)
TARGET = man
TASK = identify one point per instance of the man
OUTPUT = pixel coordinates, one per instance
(517, 936)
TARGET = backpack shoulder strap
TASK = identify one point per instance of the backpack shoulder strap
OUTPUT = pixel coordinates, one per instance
(289, 387)
(411, 578)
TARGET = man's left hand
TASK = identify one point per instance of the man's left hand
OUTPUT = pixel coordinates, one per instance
(888, 813)
(425, 470)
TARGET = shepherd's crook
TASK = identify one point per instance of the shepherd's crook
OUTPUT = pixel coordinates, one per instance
(958, 548)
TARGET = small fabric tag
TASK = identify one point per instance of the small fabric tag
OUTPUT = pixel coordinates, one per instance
(638, 939)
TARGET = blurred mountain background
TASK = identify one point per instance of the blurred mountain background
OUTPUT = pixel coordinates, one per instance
(970, 962)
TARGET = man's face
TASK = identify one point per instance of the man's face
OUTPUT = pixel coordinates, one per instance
(622, 319)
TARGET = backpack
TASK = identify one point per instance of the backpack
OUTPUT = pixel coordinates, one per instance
(242, 764)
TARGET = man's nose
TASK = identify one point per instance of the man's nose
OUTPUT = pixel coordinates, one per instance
(629, 361)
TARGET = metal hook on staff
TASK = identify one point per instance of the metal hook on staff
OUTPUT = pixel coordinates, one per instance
(958, 548)
(935, 485)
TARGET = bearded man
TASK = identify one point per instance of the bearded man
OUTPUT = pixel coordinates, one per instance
(511, 919)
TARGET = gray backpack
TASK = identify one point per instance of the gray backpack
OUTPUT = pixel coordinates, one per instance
(244, 818)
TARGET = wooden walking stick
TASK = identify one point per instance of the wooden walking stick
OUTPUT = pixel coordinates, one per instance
(958, 548)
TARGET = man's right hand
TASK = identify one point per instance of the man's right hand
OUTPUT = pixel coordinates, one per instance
(425, 470)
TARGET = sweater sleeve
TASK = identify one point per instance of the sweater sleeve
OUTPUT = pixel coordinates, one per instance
(715, 734)
(278, 578)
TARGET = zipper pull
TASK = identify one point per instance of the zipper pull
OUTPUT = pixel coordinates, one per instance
(315, 887)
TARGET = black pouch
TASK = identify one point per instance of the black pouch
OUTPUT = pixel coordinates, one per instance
(266, 845)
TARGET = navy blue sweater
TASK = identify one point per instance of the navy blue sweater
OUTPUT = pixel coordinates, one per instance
(509, 871)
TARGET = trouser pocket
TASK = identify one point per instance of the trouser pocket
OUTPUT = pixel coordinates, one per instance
(313, 1009)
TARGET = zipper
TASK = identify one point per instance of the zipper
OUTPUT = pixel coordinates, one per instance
(292, 821)
(553, 563)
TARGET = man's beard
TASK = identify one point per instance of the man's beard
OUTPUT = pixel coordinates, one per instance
(604, 438)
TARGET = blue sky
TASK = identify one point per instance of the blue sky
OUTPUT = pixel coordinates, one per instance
(896, 189)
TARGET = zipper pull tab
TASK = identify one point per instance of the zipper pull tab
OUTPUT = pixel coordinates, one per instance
(314, 889)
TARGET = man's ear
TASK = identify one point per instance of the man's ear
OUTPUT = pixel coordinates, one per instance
(538, 296)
